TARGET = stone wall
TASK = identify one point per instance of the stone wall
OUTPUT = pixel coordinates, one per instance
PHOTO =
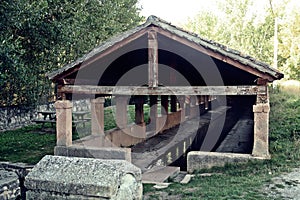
(16, 117)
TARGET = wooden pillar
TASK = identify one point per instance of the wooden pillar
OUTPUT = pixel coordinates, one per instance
(121, 111)
(209, 102)
(206, 102)
(139, 110)
(181, 100)
(173, 103)
(63, 123)
(187, 105)
(97, 113)
(152, 59)
(153, 112)
(261, 124)
(202, 104)
(164, 104)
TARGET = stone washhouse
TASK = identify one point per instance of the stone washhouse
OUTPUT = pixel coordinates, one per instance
(202, 96)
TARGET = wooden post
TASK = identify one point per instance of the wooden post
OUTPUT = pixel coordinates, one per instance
(164, 104)
(63, 123)
(209, 102)
(202, 104)
(206, 102)
(187, 105)
(182, 107)
(173, 103)
(139, 110)
(97, 113)
(153, 112)
(261, 124)
(152, 59)
(121, 111)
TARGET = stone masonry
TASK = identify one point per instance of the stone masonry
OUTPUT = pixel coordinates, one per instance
(59, 177)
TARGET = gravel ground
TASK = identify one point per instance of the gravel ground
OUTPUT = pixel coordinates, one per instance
(286, 186)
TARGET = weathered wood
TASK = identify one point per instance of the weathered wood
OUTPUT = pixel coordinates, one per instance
(214, 54)
(262, 98)
(172, 90)
(139, 109)
(164, 104)
(102, 54)
(173, 103)
(152, 59)
(153, 112)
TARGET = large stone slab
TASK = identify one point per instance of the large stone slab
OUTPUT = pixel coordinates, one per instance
(59, 177)
(94, 152)
(197, 160)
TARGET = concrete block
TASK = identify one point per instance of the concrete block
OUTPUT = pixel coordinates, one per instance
(58, 177)
(197, 160)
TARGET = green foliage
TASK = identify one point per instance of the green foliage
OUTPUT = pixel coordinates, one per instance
(39, 36)
(237, 25)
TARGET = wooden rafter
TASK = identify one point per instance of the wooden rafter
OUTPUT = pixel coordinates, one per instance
(213, 54)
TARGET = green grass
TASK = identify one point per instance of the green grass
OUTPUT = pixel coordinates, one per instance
(26, 145)
(31, 143)
(239, 181)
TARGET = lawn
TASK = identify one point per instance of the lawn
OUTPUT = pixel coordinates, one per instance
(243, 181)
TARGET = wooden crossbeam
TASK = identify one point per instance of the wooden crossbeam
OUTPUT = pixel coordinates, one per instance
(172, 90)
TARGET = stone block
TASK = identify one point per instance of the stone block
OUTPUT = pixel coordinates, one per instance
(90, 152)
(9, 185)
(58, 177)
(197, 160)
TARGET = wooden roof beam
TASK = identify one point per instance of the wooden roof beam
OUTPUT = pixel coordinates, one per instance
(172, 90)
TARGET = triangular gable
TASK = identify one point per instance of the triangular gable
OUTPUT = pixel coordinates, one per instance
(208, 47)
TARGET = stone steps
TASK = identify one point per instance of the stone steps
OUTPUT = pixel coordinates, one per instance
(159, 174)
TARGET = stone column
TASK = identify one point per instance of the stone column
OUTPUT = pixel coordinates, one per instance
(173, 103)
(261, 130)
(164, 105)
(97, 111)
(153, 112)
(121, 111)
(63, 123)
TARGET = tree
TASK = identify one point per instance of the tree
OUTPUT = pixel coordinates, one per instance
(38, 36)
(239, 26)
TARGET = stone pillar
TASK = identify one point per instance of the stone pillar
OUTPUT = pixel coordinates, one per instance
(164, 105)
(173, 103)
(63, 123)
(121, 111)
(97, 112)
(261, 130)
(139, 110)
(153, 112)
